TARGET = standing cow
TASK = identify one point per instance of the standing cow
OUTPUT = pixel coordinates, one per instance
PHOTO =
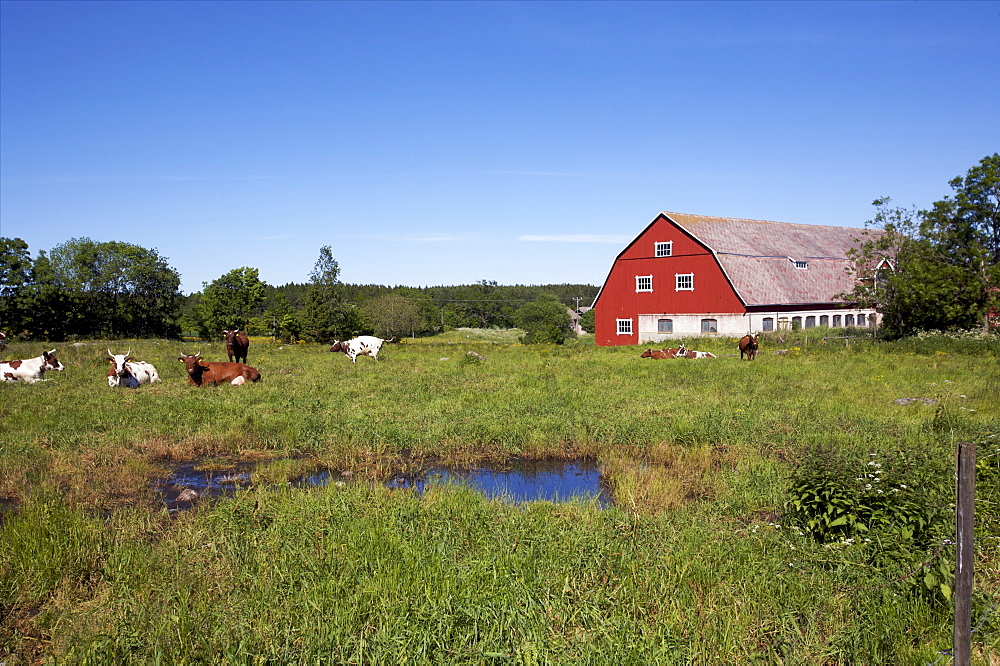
(30, 370)
(237, 345)
(3, 340)
(128, 373)
(205, 373)
(363, 345)
(748, 346)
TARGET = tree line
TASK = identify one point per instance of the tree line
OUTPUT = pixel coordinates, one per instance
(88, 289)
(925, 270)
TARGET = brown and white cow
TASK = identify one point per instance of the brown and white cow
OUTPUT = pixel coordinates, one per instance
(205, 373)
(748, 346)
(658, 353)
(128, 373)
(363, 345)
(3, 340)
(684, 352)
(237, 345)
(30, 370)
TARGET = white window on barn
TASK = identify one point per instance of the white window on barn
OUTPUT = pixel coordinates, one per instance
(768, 324)
(848, 320)
(836, 321)
(685, 281)
(664, 249)
(709, 326)
(801, 265)
(624, 327)
(824, 320)
(810, 322)
(643, 283)
(665, 326)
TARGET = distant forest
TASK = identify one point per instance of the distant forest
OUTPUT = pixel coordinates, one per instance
(284, 311)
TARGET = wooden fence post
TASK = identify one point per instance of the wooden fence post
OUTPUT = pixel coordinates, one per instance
(964, 528)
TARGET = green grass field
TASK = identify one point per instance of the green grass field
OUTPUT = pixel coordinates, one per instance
(693, 564)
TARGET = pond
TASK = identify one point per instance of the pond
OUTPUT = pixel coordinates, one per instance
(516, 481)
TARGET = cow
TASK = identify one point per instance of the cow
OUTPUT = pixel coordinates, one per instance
(30, 370)
(748, 346)
(237, 345)
(684, 352)
(363, 345)
(205, 373)
(3, 340)
(657, 353)
(128, 373)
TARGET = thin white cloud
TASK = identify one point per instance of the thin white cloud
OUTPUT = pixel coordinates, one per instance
(616, 239)
(442, 238)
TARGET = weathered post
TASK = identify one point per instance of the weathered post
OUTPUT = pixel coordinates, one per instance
(964, 527)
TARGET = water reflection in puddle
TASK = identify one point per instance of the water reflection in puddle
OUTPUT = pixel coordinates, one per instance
(520, 481)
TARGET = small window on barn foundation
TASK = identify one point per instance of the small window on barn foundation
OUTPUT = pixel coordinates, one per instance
(685, 281)
(810, 322)
(664, 249)
(624, 327)
(709, 326)
(836, 321)
(848, 320)
(824, 320)
(665, 326)
(796, 323)
(768, 324)
(643, 283)
(861, 320)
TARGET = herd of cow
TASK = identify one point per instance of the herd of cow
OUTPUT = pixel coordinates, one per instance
(129, 373)
(747, 344)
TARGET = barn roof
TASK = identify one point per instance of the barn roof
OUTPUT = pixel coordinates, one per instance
(759, 257)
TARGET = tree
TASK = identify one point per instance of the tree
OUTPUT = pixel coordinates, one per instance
(587, 320)
(114, 289)
(327, 316)
(230, 301)
(545, 319)
(394, 316)
(15, 275)
(935, 269)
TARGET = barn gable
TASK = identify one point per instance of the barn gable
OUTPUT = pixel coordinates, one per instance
(717, 275)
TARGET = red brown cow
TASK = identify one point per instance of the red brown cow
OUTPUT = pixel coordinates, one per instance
(658, 353)
(237, 345)
(748, 346)
(205, 373)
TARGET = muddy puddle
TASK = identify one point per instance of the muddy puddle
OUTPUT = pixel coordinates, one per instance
(516, 482)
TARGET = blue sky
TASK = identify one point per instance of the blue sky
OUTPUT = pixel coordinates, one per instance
(451, 142)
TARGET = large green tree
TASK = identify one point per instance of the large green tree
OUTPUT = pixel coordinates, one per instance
(394, 316)
(89, 288)
(938, 268)
(545, 319)
(230, 301)
(327, 316)
(15, 276)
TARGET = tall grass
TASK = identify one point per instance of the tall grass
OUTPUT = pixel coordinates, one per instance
(689, 567)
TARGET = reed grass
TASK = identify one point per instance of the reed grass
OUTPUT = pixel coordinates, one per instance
(691, 566)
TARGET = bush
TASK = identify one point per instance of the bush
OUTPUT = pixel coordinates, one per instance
(545, 319)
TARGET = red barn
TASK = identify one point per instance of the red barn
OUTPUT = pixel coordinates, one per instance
(688, 275)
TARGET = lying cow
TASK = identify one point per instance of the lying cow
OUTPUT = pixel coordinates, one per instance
(363, 345)
(658, 353)
(237, 345)
(205, 373)
(30, 370)
(748, 346)
(684, 352)
(128, 373)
